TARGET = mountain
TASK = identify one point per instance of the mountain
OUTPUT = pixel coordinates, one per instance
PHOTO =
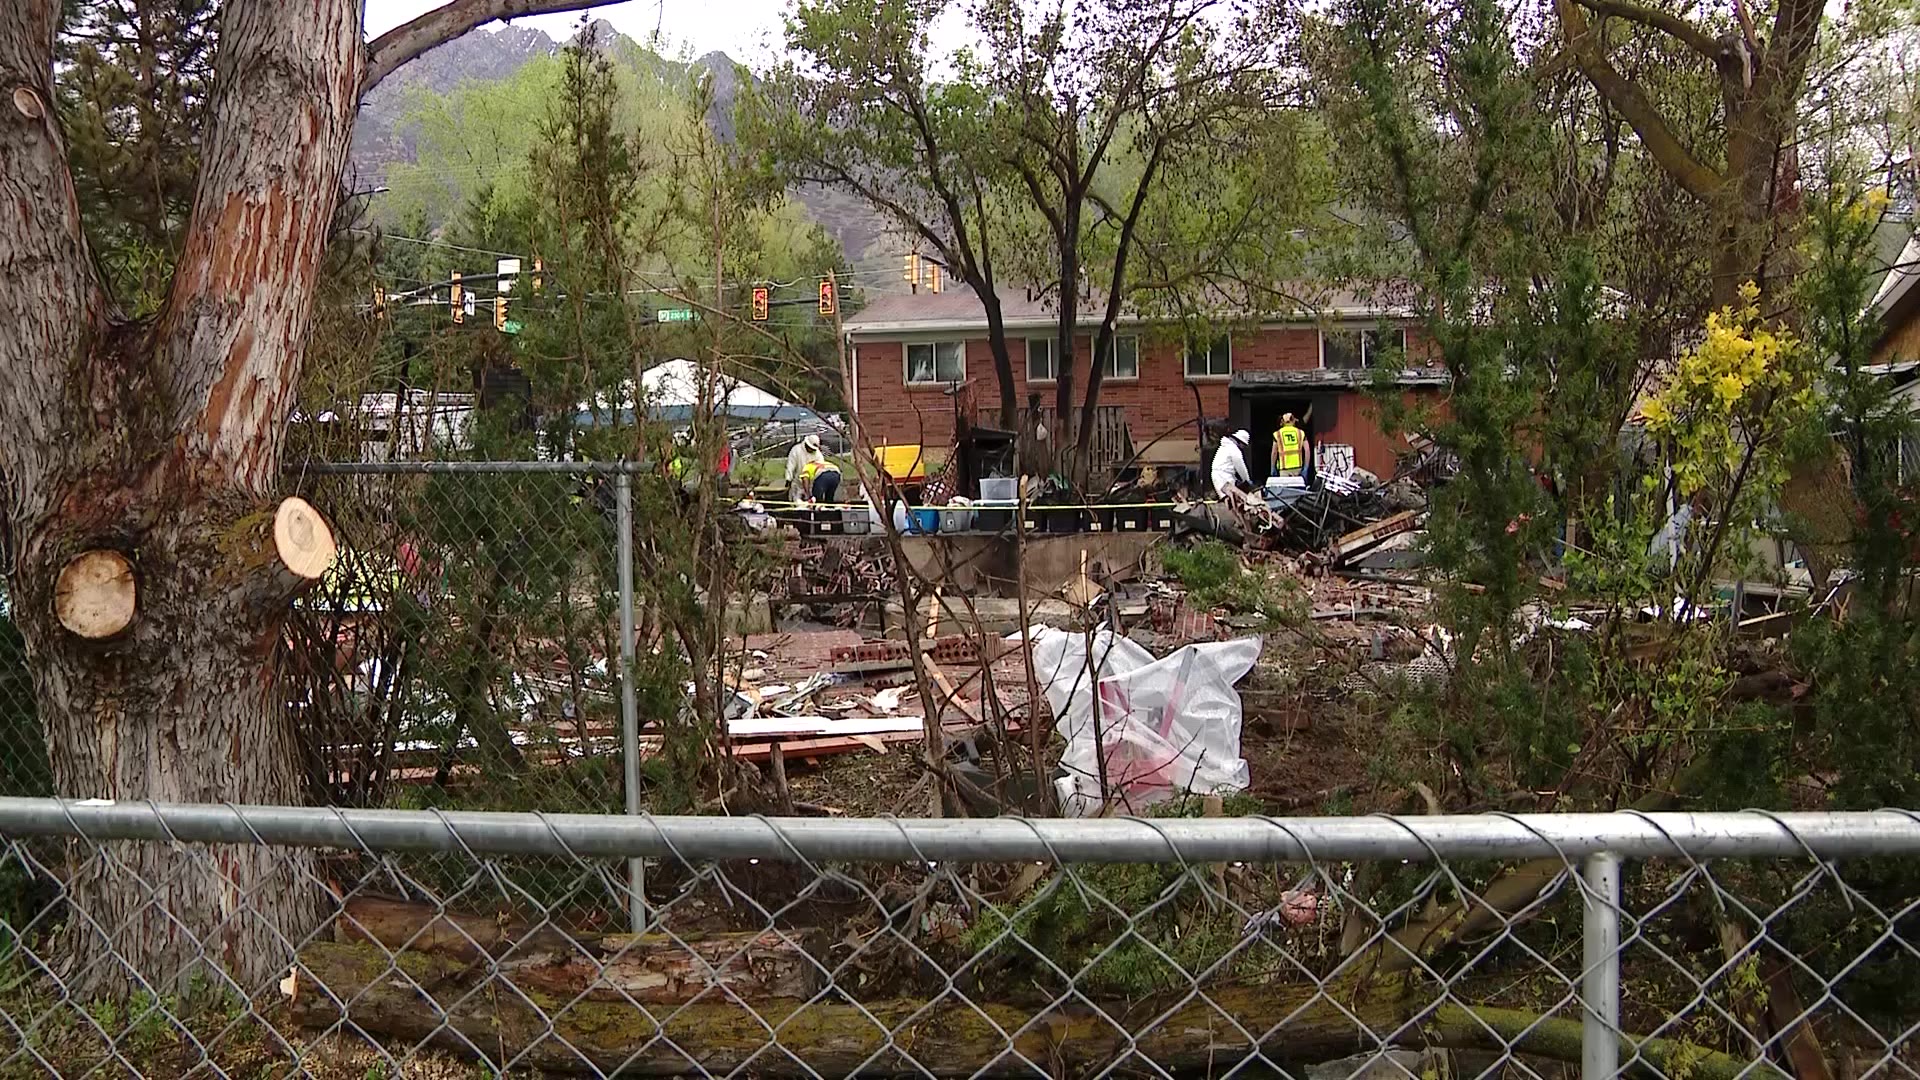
(381, 138)
(481, 56)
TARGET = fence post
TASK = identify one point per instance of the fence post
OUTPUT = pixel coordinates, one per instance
(629, 711)
(1600, 986)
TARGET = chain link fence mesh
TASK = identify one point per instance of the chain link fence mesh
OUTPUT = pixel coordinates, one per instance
(1735, 945)
(460, 657)
(462, 642)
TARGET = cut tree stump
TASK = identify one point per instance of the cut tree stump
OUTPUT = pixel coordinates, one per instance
(95, 596)
(303, 539)
(549, 1023)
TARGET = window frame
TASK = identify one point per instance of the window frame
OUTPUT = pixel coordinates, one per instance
(1109, 370)
(906, 361)
(1053, 362)
(1367, 346)
(1210, 375)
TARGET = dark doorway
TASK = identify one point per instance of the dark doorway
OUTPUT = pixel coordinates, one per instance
(1263, 419)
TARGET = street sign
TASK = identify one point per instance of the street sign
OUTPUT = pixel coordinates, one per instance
(676, 314)
(511, 326)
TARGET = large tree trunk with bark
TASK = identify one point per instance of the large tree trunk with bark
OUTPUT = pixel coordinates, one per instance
(159, 439)
(152, 447)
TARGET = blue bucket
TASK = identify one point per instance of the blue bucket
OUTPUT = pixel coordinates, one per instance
(925, 521)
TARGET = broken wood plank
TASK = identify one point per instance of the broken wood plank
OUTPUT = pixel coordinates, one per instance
(950, 695)
(1365, 539)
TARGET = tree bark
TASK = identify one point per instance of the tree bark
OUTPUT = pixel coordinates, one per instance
(719, 1033)
(653, 969)
(159, 438)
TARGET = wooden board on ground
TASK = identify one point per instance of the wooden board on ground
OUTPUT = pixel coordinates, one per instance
(1369, 536)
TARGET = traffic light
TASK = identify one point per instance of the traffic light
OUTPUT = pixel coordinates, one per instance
(453, 293)
(761, 302)
(826, 297)
(379, 302)
(913, 267)
(933, 277)
(500, 313)
(536, 274)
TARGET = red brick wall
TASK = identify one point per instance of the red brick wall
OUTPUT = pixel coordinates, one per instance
(1162, 397)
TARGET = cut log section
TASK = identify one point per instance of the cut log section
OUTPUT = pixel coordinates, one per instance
(653, 969)
(415, 997)
(94, 596)
(303, 539)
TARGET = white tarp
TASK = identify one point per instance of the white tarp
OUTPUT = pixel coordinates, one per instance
(1166, 726)
(679, 383)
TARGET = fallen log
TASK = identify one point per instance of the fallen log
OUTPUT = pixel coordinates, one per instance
(653, 969)
(423, 997)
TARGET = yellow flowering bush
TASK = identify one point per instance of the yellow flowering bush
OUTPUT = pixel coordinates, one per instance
(1746, 383)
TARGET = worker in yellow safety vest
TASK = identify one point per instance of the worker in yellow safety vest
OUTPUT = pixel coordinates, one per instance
(1289, 448)
(822, 480)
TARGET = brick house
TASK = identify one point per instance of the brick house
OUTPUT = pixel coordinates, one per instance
(908, 351)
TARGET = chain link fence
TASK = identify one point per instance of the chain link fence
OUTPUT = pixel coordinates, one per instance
(1681, 946)
(466, 642)
(462, 652)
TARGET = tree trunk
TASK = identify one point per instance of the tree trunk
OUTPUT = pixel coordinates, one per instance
(185, 708)
(160, 439)
(1068, 326)
(1002, 356)
(466, 1009)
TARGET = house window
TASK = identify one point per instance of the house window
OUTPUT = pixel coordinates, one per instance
(936, 361)
(1354, 349)
(1040, 366)
(1210, 358)
(1123, 359)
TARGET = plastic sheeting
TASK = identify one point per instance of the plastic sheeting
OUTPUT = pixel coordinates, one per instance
(1165, 726)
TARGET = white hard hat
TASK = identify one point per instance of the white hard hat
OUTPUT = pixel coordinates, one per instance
(1242, 435)
(813, 442)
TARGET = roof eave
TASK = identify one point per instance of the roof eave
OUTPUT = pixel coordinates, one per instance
(855, 328)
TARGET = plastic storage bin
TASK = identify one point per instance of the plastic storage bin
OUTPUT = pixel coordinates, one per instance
(1064, 519)
(855, 522)
(1000, 489)
(924, 520)
(956, 520)
(993, 517)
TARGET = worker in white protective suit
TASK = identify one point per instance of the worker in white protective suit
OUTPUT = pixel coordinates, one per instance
(804, 453)
(1230, 464)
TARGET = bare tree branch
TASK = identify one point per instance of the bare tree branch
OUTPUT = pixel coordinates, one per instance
(1632, 103)
(390, 50)
(1783, 67)
(1666, 22)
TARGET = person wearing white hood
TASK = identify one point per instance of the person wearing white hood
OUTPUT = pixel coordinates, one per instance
(1230, 464)
(805, 451)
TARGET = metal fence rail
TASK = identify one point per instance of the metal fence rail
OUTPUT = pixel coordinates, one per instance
(422, 943)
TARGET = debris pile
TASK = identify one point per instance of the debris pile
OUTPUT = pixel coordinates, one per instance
(837, 581)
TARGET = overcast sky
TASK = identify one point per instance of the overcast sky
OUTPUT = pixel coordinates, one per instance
(750, 31)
